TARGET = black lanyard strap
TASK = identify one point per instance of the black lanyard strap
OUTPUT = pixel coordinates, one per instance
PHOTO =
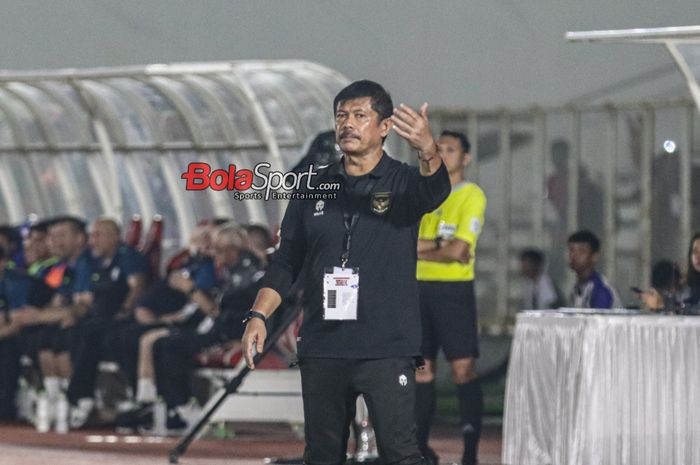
(350, 221)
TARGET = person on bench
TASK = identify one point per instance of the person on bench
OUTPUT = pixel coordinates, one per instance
(174, 303)
(48, 326)
(239, 278)
(117, 285)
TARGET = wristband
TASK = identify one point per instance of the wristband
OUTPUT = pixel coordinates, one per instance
(437, 243)
(253, 314)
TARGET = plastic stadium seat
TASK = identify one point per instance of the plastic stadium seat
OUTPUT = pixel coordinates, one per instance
(133, 232)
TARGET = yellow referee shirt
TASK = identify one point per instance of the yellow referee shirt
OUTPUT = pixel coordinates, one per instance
(460, 216)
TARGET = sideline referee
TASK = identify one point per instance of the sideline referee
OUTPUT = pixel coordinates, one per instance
(356, 258)
(445, 272)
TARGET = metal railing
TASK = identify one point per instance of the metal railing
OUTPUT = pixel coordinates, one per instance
(626, 174)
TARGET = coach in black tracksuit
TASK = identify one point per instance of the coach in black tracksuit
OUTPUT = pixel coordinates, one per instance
(358, 340)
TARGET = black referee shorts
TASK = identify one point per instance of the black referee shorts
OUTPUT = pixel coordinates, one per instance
(448, 316)
(330, 388)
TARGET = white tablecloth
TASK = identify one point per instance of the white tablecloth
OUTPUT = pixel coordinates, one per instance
(592, 389)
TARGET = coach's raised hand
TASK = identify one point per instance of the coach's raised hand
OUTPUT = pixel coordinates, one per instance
(415, 128)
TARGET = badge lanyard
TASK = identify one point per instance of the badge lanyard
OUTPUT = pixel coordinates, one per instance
(350, 221)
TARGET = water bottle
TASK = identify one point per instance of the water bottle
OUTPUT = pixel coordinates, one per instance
(62, 410)
(26, 396)
(160, 418)
(43, 416)
(365, 441)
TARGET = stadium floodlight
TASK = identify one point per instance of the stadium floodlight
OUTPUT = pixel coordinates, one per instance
(683, 43)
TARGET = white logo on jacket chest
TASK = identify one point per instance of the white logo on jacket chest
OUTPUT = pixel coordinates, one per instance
(319, 208)
(403, 380)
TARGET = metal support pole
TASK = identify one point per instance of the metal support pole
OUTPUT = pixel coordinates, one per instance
(539, 155)
(610, 226)
(685, 166)
(645, 202)
(574, 161)
(503, 272)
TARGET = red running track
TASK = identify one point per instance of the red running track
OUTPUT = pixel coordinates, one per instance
(22, 445)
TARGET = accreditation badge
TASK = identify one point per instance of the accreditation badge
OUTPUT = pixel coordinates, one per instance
(446, 230)
(341, 287)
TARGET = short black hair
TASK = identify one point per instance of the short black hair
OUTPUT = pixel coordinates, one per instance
(463, 139)
(381, 100)
(41, 226)
(530, 254)
(78, 225)
(586, 237)
(665, 275)
(10, 233)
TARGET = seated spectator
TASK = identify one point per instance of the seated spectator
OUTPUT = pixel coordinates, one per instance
(691, 301)
(667, 293)
(15, 289)
(37, 254)
(239, 278)
(540, 291)
(591, 289)
(117, 283)
(48, 337)
(172, 303)
(39, 262)
(11, 243)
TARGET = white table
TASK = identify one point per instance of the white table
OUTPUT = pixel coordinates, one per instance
(595, 389)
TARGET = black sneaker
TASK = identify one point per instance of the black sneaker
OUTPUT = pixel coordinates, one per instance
(431, 458)
(175, 423)
(141, 416)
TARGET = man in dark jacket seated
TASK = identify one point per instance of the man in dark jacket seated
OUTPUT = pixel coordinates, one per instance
(239, 272)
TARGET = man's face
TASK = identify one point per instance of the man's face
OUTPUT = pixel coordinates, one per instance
(5, 243)
(201, 242)
(36, 246)
(103, 240)
(450, 150)
(226, 254)
(581, 258)
(529, 269)
(358, 130)
(64, 241)
(695, 255)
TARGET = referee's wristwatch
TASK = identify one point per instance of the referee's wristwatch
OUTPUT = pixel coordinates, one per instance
(253, 314)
